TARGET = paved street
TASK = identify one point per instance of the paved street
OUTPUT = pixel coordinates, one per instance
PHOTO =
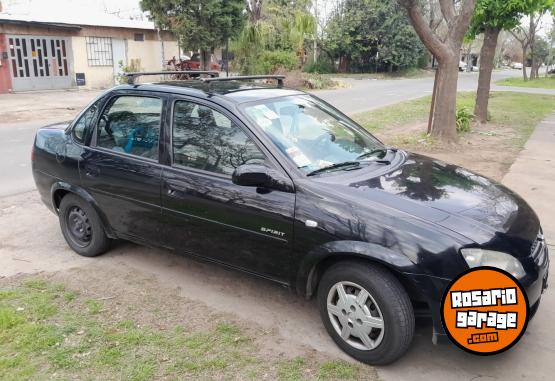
(37, 109)
(368, 94)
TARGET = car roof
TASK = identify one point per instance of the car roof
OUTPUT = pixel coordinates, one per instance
(234, 91)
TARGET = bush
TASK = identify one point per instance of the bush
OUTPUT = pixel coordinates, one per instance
(463, 120)
(321, 67)
(122, 69)
(317, 81)
(423, 61)
(296, 79)
(270, 61)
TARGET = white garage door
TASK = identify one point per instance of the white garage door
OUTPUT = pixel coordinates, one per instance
(40, 62)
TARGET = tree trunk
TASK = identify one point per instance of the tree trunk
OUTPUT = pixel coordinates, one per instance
(524, 53)
(447, 50)
(487, 58)
(444, 125)
(204, 59)
(533, 46)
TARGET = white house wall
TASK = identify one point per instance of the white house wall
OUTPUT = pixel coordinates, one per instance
(96, 77)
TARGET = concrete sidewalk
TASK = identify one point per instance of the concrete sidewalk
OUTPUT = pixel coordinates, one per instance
(533, 177)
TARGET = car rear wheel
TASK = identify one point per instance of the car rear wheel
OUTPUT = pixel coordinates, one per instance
(81, 227)
(366, 311)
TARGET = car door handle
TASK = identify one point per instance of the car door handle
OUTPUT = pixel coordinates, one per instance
(173, 189)
(92, 171)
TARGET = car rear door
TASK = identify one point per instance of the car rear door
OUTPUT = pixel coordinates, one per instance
(209, 216)
(120, 167)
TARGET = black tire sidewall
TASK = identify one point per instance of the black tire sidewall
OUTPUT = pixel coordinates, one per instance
(392, 300)
(99, 241)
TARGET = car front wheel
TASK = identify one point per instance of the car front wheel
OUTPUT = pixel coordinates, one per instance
(81, 227)
(366, 311)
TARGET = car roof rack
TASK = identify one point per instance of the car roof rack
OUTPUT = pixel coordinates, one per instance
(131, 77)
(279, 79)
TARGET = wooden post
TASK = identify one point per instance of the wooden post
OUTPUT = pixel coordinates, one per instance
(433, 105)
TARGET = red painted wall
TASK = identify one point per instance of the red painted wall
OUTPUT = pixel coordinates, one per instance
(5, 78)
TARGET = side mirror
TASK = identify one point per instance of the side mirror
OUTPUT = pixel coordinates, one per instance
(256, 175)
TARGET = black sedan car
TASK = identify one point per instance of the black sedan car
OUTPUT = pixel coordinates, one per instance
(279, 184)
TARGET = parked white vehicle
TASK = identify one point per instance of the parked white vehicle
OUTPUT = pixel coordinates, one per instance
(516, 65)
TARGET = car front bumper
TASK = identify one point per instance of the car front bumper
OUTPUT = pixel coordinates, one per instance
(433, 288)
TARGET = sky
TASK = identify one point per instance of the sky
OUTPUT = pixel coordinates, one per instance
(123, 8)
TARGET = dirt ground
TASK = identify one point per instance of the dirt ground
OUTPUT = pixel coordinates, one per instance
(127, 294)
(31, 242)
(40, 106)
(487, 149)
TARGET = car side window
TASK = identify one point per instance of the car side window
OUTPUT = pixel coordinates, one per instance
(131, 124)
(204, 138)
(82, 125)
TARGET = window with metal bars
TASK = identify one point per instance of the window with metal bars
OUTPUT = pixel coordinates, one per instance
(99, 51)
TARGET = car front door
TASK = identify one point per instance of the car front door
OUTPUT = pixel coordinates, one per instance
(208, 215)
(121, 169)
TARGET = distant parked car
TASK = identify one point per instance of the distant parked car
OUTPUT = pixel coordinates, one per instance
(516, 65)
(194, 63)
(462, 66)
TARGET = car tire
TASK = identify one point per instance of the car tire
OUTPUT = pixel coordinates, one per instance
(82, 227)
(386, 300)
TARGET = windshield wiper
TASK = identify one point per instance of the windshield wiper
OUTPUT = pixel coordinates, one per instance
(372, 153)
(345, 165)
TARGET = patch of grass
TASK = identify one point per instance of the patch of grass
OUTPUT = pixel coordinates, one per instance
(314, 81)
(9, 318)
(522, 112)
(47, 332)
(395, 115)
(70, 296)
(143, 371)
(94, 306)
(291, 370)
(409, 73)
(421, 139)
(338, 370)
(539, 83)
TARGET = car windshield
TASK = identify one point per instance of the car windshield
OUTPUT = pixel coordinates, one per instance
(312, 134)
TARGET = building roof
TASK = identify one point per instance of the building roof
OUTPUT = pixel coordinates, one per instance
(45, 13)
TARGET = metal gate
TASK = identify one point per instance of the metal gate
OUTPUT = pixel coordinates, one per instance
(39, 62)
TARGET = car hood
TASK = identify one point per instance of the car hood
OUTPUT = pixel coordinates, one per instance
(453, 197)
(57, 126)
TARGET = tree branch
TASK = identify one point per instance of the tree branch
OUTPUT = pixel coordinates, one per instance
(447, 10)
(426, 34)
(460, 27)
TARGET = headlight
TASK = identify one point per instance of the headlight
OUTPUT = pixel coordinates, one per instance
(503, 261)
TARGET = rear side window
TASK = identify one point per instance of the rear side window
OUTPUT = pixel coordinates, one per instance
(204, 138)
(81, 127)
(131, 125)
